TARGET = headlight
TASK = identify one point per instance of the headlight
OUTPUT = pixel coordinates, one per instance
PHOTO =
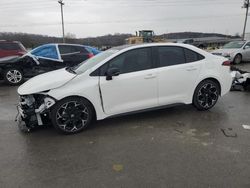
(27, 100)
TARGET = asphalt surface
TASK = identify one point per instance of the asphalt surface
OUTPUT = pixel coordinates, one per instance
(174, 147)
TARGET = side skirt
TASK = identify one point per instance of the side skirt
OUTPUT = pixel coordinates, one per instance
(145, 110)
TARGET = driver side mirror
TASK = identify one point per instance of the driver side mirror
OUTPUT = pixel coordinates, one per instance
(112, 72)
(246, 47)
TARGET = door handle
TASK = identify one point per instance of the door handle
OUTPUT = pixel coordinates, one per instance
(150, 76)
(191, 68)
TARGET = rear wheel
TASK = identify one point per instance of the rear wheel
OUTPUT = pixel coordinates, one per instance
(13, 76)
(72, 115)
(237, 59)
(206, 95)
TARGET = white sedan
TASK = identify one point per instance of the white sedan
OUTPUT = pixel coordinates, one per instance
(123, 80)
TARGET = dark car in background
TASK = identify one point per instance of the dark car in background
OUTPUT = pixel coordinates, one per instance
(42, 59)
(11, 48)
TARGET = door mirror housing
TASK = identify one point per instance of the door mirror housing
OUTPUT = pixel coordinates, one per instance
(246, 47)
(112, 72)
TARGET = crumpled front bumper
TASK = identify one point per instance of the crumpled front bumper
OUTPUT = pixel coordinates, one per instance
(20, 121)
(32, 112)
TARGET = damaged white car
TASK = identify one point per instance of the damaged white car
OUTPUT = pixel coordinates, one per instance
(123, 80)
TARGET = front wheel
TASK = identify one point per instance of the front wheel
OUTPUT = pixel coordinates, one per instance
(13, 76)
(237, 59)
(72, 115)
(206, 95)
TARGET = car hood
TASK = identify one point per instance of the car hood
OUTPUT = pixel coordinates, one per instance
(46, 81)
(221, 51)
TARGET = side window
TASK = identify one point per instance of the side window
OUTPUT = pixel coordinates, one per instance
(247, 45)
(192, 56)
(9, 46)
(67, 49)
(132, 61)
(171, 55)
(80, 49)
(47, 51)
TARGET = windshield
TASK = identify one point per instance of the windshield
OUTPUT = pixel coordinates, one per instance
(82, 67)
(236, 44)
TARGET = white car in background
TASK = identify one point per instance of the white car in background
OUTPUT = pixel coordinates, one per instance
(124, 80)
(236, 51)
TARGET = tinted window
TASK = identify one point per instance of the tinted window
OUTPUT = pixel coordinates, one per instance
(133, 60)
(170, 55)
(67, 49)
(192, 56)
(9, 46)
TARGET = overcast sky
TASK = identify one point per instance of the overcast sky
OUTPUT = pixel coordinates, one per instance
(99, 17)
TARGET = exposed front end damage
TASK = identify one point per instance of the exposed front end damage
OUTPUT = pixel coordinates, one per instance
(33, 111)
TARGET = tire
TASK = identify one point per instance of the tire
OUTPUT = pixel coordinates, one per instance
(206, 95)
(237, 59)
(72, 115)
(13, 76)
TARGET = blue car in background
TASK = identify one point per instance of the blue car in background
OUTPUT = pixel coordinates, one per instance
(92, 49)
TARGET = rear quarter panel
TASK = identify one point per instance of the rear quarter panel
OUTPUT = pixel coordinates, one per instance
(213, 68)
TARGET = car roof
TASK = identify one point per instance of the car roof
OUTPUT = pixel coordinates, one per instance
(66, 44)
(123, 48)
(132, 46)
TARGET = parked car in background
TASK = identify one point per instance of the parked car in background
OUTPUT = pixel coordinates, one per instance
(236, 51)
(95, 51)
(123, 80)
(42, 59)
(11, 48)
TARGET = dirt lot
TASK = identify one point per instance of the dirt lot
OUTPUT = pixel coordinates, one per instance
(174, 147)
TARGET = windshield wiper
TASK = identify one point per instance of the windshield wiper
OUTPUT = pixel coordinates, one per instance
(70, 69)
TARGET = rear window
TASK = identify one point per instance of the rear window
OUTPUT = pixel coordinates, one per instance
(171, 55)
(9, 46)
(192, 56)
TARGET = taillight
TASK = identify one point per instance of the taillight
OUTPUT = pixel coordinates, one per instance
(90, 55)
(226, 63)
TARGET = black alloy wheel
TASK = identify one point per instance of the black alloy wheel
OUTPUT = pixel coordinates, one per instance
(206, 95)
(72, 115)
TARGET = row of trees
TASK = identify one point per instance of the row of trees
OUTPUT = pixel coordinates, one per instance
(33, 40)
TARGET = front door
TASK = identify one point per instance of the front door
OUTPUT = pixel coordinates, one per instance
(136, 86)
(246, 52)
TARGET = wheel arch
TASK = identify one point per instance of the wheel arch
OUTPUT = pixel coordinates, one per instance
(81, 97)
(212, 79)
(238, 53)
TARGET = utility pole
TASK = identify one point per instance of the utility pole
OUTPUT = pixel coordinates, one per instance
(61, 4)
(246, 5)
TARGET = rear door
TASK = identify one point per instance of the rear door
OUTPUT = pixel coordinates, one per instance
(178, 70)
(135, 88)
